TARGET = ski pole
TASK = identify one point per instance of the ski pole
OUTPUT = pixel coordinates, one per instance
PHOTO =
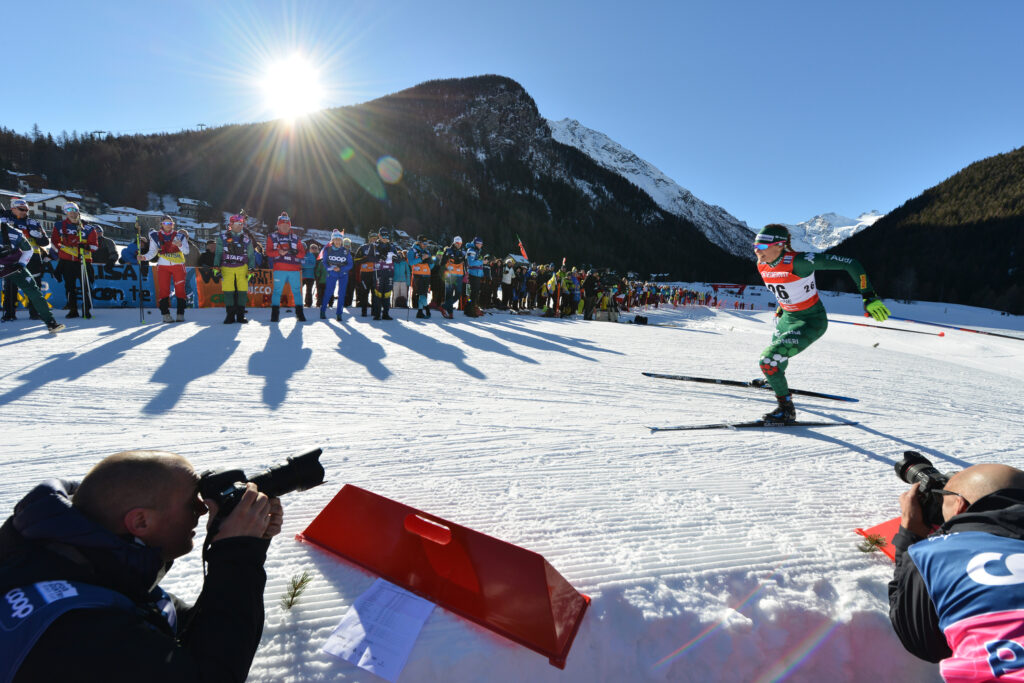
(138, 266)
(961, 329)
(883, 327)
(85, 269)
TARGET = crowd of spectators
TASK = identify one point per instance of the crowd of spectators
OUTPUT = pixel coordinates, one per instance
(460, 277)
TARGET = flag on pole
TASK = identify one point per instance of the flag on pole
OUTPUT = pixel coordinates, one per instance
(522, 250)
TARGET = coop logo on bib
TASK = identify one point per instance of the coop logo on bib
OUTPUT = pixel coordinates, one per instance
(1011, 570)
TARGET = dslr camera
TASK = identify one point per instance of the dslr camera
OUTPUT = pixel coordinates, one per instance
(915, 468)
(297, 473)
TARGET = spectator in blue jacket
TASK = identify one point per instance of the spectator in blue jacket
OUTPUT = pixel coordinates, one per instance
(337, 262)
(475, 265)
(309, 271)
(130, 254)
(403, 274)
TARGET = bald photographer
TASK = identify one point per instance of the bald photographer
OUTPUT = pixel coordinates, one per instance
(957, 595)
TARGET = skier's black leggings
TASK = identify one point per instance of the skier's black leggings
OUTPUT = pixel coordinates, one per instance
(71, 273)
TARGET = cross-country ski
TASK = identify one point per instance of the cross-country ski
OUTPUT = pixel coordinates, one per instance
(753, 424)
(754, 384)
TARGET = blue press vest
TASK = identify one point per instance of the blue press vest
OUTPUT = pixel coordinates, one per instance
(27, 611)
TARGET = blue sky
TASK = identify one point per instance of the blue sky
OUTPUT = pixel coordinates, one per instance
(775, 111)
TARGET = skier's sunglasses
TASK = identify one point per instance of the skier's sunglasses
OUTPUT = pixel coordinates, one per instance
(167, 224)
(761, 246)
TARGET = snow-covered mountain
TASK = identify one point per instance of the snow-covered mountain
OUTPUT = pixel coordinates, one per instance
(717, 224)
(829, 229)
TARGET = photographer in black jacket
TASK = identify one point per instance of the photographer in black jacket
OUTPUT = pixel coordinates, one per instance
(958, 594)
(80, 563)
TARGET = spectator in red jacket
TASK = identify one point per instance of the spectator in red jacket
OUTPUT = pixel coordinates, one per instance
(75, 242)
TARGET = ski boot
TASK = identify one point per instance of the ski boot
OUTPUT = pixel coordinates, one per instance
(419, 313)
(323, 314)
(275, 314)
(229, 316)
(300, 314)
(53, 327)
(385, 315)
(784, 413)
(165, 309)
(240, 315)
(180, 318)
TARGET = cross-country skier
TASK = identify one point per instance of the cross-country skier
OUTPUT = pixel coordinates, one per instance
(287, 251)
(800, 316)
(420, 260)
(170, 246)
(36, 236)
(337, 260)
(236, 256)
(365, 284)
(74, 239)
(15, 253)
(383, 254)
(453, 264)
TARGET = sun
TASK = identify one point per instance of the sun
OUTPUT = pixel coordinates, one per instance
(291, 88)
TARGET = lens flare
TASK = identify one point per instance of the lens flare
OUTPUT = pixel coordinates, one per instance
(389, 169)
(347, 154)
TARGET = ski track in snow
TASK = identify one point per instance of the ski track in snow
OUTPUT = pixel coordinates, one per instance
(709, 555)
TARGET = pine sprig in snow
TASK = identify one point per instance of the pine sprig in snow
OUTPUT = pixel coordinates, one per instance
(296, 588)
(871, 543)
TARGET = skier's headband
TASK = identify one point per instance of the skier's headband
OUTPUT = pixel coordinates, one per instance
(283, 218)
(236, 219)
(761, 246)
(19, 204)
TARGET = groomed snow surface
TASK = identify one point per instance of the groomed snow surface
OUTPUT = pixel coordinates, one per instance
(710, 556)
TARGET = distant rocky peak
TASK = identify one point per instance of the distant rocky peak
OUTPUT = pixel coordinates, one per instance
(827, 230)
(720, 227)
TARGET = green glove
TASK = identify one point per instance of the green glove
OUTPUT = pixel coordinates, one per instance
(877, 310)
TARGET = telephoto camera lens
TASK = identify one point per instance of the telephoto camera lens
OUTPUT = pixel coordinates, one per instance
(297, 473)
(914, 468)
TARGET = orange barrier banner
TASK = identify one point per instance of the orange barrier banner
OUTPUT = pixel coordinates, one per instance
(261, 288)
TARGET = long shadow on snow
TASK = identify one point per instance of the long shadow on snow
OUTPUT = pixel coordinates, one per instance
(431, 348)
(29, 333)
(887, 459)
(196, 356)
(70, 366)
(560, 339)
(281, 358)
(483, 343)
(359, 349)
(502, 331)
